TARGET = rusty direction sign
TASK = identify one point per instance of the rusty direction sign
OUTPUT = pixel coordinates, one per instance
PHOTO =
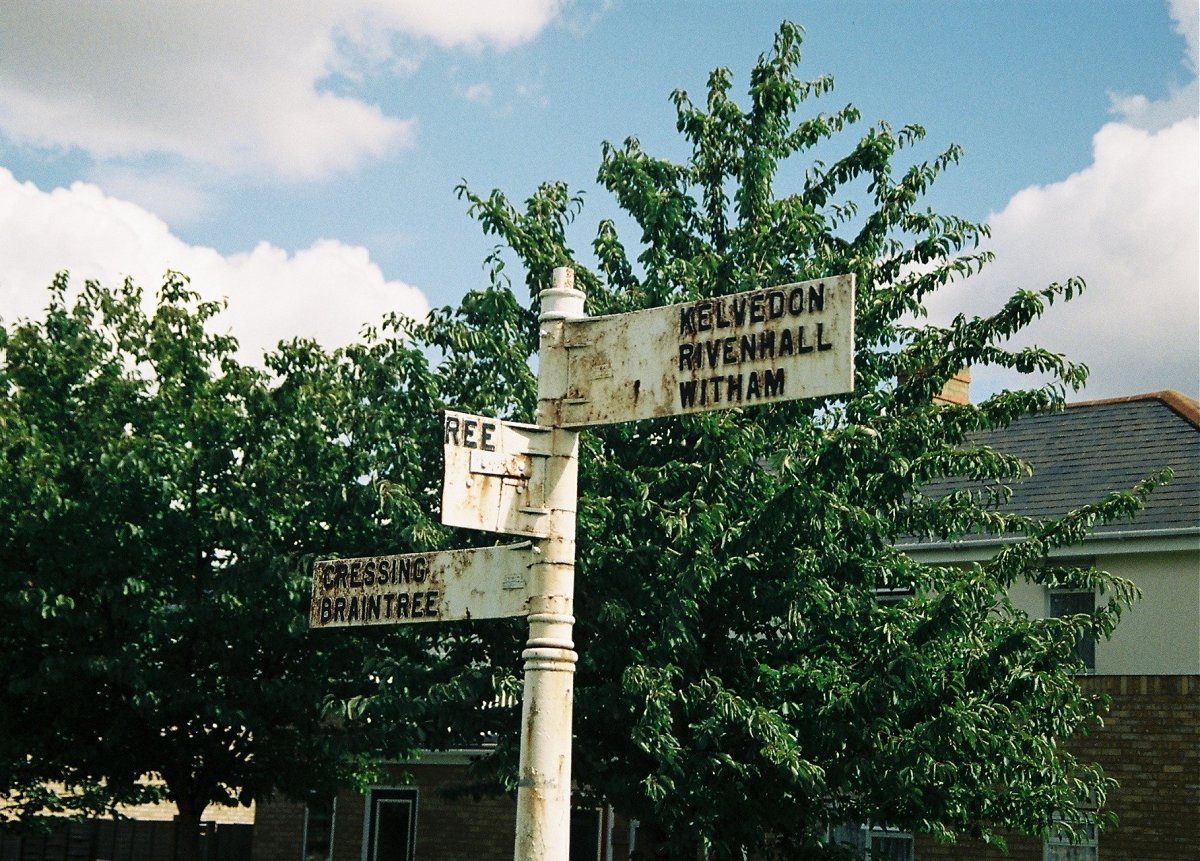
(777, 344)
(495, 477)
(448, 585)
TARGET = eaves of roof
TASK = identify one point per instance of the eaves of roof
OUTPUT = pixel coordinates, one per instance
(1083, 453)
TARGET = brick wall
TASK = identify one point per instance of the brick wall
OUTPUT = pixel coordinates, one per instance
(448, 828)
(278, 831)
(1150, 743)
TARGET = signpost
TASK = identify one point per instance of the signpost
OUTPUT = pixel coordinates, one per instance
(762, 346)
(495, 477)
(486, 583)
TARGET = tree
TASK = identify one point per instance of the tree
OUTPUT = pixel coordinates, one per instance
(739, 683)
(161, 505)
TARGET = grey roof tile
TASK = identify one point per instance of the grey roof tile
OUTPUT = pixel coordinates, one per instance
(1088, 450)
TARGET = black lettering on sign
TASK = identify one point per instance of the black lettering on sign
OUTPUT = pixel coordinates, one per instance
(687, 320)
(352, 616)
(752, 387)
(431, 601)
(485, 438)
(417, 612)
(704, 316)
(722, 323)
(757, 313)
(773, 383)
(339, 609)
(775, 304)
(388, 598)
(685, 355)
(727, 356)
(802, 347)
(766, 344)
(749, 348)
(687, 393)
(733, 388)
(816, 298)
(402, 599)
(739, 311)
(402, 570)
(785, 343)
(451, 431)
(420, 568)
(326, 610)
(373, 608)
(469, 433)
(796, 301)
(326, 575)
(356, 575)
(821, 344)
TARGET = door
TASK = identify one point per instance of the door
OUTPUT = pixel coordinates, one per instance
(391, 827)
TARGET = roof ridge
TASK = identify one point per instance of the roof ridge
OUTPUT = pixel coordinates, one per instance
(1186, 408)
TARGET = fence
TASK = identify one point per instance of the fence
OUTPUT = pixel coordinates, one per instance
(125, 840)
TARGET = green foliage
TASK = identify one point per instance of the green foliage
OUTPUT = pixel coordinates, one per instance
(739, 684)
(160, 508)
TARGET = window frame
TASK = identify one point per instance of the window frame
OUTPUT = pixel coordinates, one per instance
(304, 841)
(1085, 645)
(375, 794)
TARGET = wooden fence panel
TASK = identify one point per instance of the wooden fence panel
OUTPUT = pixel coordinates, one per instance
(124, 840)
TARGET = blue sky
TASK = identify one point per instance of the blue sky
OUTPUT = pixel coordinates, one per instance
(301, 160)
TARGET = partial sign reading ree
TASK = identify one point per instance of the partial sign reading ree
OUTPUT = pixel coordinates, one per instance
(482, 583)
(495, 477)
(778, 344)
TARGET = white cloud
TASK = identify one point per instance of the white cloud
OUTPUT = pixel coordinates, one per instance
(237, 86)
(1129, 224)
(481, 93)
(1186, 15)
(1180, 102)
(327, 291)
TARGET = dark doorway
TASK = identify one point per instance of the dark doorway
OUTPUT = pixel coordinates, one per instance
(392, 824)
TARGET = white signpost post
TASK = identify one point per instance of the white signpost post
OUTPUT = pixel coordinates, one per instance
(762, 346)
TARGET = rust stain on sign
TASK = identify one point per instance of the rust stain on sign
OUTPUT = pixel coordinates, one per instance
(776, 344)
(448, 585)
(495, 477)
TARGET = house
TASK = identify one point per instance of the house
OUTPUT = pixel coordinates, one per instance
(1150, 741)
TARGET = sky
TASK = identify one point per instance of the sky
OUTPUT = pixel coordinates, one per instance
(300, 158)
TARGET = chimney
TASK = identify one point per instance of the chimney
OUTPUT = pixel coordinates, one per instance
(957, 389)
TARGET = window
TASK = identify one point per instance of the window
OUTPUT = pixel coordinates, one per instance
(318, 829)
(1069, 602)
(887, 595)
(876, 842)
(390, 830)
(1062, 846)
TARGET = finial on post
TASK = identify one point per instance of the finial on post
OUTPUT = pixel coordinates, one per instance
(561, 301)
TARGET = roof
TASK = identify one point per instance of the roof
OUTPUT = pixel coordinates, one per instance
(1081, 454)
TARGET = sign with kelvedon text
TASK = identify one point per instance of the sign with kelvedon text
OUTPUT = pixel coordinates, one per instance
(762, 346)
(495, 477)
(444, 586)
